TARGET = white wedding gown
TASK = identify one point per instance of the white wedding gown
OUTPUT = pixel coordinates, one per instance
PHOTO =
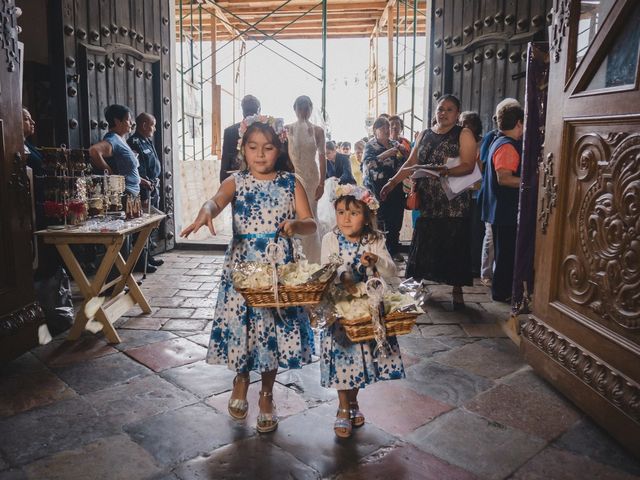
(302, 151)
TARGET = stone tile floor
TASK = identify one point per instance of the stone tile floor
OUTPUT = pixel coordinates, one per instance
(151, 408)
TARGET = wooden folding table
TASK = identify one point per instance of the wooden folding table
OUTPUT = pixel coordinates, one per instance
(119, 301)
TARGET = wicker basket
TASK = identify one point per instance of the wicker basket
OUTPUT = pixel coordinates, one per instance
(288, 296)
(396, 323)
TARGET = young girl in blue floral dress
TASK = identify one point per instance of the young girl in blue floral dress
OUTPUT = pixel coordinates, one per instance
(265, 197)
(344, 365)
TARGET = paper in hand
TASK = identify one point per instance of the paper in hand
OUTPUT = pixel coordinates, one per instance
(422, 171)
(454, 186)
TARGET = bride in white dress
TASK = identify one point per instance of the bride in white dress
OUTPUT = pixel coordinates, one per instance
(305, 141)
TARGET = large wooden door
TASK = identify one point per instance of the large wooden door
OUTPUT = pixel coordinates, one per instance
(584, 336)
(20, 315)
(478, 50)
(114, 51)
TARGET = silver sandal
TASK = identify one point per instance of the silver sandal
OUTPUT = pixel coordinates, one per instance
(342, 423)
(267, 422)
(357, 417)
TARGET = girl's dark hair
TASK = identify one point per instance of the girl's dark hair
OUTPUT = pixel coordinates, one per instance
(115, 111)
(451, 98)
(396, 118)
(283, 162)
(370, 232)
(380, 122)
(471, 120)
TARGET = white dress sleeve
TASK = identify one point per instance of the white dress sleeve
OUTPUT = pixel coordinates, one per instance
(329, 247)
(385, 265)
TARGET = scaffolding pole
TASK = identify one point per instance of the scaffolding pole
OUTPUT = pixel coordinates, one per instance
(399, 70)
(324, 61)
(413, 67)
(201, 86)
(191, 71)
(392, 93)
(184, 148)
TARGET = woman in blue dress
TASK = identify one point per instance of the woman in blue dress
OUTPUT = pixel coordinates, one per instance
(265, 197)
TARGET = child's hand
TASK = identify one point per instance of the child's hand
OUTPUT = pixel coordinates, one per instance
(348, 283)
(368, 259)
(288, 228)
(204, 218)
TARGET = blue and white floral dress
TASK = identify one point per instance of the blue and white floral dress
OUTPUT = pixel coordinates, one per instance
(246, 338)
(344, 364)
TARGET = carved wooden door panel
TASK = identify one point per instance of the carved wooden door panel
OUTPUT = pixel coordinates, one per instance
(19, 314)
(584, 336)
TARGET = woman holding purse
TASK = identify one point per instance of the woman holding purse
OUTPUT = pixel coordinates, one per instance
(440, 246)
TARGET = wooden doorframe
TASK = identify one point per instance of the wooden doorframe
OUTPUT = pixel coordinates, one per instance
(575, 339)
(20, 314)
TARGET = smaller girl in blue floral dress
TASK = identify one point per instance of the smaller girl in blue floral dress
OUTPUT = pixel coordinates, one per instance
(265, 197)
(344, 365)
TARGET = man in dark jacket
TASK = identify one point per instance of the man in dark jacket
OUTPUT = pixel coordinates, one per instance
(150, 168)
(338, 165)
(250, 106)
(141, 142)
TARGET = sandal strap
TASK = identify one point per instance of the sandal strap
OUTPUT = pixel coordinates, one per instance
(238, 404)
(264, 417)
(241, 378)
(355, 412)
(271, 416)
(342, 423)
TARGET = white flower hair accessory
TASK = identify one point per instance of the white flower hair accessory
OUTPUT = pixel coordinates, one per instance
(276, 123)
(359, 193)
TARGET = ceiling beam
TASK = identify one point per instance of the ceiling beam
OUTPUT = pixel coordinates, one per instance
(365, 32)
(222, 17)
(272, 4)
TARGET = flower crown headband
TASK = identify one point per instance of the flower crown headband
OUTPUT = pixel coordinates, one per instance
(276, 123)
(359, 193)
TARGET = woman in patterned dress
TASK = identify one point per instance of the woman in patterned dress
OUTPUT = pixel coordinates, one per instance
(265, 197)
(344, 365)
(383, 157)
(441, 243)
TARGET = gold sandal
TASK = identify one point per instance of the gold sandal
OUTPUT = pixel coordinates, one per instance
(267, 422)
(342, 426)
(238, 407)
(357, 417)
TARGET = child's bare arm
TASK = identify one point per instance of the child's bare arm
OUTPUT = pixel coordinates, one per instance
(212, 208)
(304, 224)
